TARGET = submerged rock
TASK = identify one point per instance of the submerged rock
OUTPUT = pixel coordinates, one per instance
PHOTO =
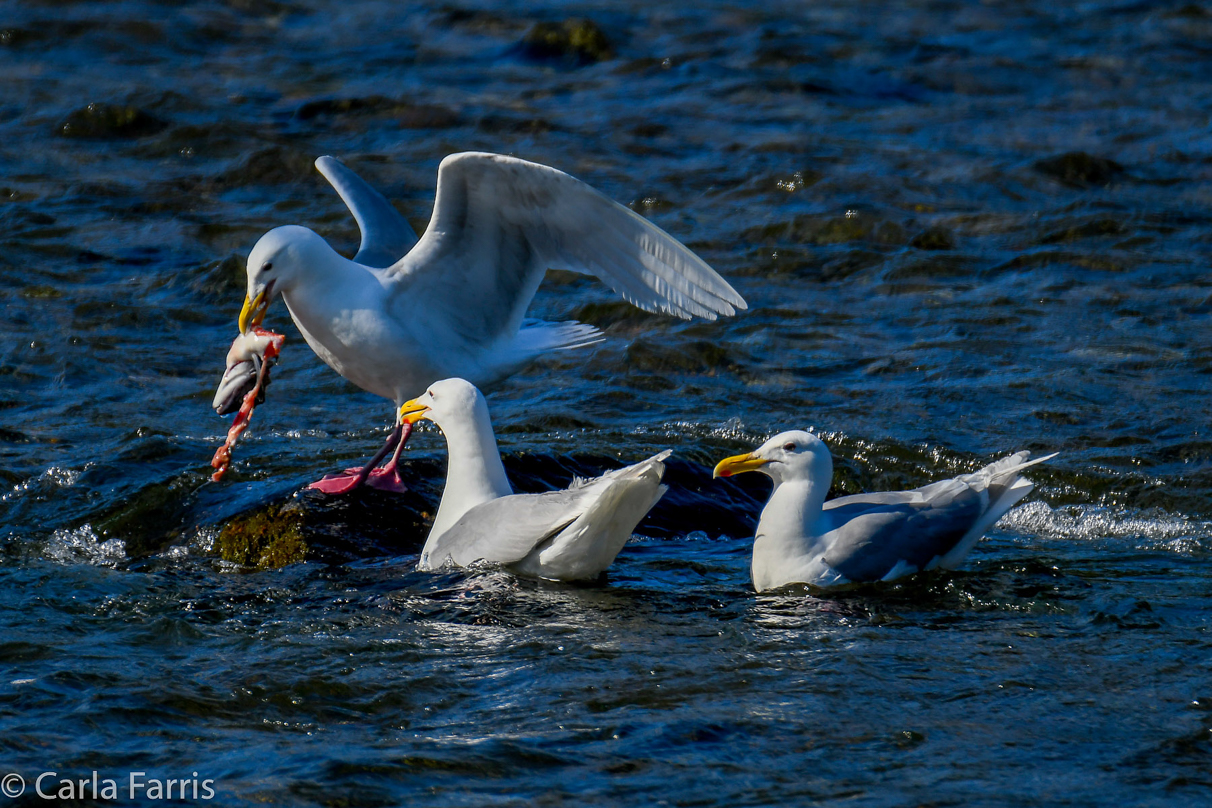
(828, 230)
(266, 539)
(935, 267)
(1079, 170)
(1103, 226)
(479, 22)
(934, 238)
(275, 165)
(342, 106)
(40, 292)
(505, 124)
(576, 41)
(698, 357)
(1057, 417)
(12, 37)
(617, 313)
(110, 121)
(408, 115)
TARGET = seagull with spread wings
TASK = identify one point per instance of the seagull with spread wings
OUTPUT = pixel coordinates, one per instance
(406, 312)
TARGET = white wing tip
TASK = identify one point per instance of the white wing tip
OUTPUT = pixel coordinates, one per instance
(323, 161)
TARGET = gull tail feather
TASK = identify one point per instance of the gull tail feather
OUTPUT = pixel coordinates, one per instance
(590, 544)
(652, 467)
(1005, 488)
(1015, 463)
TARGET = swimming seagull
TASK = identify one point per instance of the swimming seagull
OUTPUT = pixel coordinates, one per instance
(881, 536)
(405, 313)
(567, 535)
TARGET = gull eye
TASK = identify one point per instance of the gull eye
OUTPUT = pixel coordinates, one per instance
(267, 266)
(789, 447)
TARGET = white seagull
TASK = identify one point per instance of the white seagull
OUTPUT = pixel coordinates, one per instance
(405, 313)
(881, 536)
(567, 535)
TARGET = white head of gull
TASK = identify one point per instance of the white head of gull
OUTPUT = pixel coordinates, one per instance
(407, 312)
(881, 536)
(566, 535)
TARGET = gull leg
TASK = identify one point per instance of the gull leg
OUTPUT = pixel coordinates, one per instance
(388, 477)
(351, 478)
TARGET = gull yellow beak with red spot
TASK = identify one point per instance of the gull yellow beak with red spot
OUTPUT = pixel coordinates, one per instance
(412, 411)
(738, 464)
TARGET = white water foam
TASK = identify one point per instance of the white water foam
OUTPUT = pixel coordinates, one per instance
(83, 545)
(1146, 530)
(53, 477)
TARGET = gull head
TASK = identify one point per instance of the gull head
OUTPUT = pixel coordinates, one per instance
(452, 404)
(795, 455)
(273, 266)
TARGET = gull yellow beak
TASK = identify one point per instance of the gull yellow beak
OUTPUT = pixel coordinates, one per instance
(254, 310)
(737, 464)
(412, 411)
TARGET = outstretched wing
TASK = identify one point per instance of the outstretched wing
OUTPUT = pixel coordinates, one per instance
(386, 235)
(499, 223)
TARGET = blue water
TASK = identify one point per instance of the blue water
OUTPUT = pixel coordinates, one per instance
(962, 228)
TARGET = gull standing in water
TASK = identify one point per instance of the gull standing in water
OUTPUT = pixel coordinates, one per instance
(881, 536)
(405, 313)
(567, 535)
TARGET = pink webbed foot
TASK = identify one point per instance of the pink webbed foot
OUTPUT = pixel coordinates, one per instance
(384, 479)
(387, 479)
(341, 483)
(381, 479)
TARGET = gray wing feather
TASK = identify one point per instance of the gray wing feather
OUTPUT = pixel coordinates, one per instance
(386, 235)
(857, 503)
(876, 535)
(506, 529)
(499, 223)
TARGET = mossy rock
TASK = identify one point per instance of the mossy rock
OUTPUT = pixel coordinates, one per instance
(265, 539)
(575, 41)
(110, 121)
(1079, 170)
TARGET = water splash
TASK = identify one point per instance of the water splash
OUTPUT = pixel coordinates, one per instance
(1146, 530)
(82, 545)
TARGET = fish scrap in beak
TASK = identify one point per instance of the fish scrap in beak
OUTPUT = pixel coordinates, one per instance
(237, 380)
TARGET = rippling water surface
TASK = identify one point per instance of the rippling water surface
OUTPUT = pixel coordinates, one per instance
(963, 229)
